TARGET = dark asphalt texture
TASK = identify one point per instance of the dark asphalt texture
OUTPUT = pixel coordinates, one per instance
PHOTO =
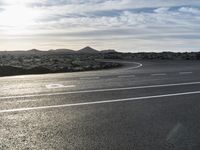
(164, 123)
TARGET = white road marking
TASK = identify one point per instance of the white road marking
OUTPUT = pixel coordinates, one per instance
(98, 102)
(89, 78)
(174, 133)
(101, 90)
(21, 101)
(129, 62)
(159, 74)
(185, 73)
(126, 76)
(56, 86)
(139, 65)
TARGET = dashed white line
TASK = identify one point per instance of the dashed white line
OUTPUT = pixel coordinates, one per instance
(89, 78)
(57, 86)
(101, 90)
(185, 73)
(98, 102)
(159, 74)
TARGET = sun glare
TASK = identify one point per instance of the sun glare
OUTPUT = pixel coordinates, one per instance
(17, 17)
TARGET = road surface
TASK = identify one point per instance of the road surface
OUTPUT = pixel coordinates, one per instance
(147, 105)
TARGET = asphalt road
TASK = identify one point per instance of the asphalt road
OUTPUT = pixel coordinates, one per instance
(146, 105)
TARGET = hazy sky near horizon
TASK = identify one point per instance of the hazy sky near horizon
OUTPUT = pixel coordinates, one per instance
(125, 25)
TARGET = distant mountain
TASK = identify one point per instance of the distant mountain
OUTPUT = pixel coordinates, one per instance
(109, 51)
(34, 51)
(62, 51)
(88, 50)
(21, 52)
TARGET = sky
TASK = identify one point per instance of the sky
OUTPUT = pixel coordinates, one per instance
(124, 25)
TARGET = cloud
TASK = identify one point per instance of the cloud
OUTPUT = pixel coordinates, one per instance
(142, 20)
(161, 10)
(192, 10)
(1, 9)
(104, 5)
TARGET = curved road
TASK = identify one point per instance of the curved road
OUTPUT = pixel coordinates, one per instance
(144, 105)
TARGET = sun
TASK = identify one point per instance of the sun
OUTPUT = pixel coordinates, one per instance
(17, 16)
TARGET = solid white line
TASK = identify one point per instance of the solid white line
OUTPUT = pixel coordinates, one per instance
(159, 74)
(89, 78)
(21, 101)
(139, 65)
(128, 62)
(185, 73)
(98, 102)
(102, 90)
